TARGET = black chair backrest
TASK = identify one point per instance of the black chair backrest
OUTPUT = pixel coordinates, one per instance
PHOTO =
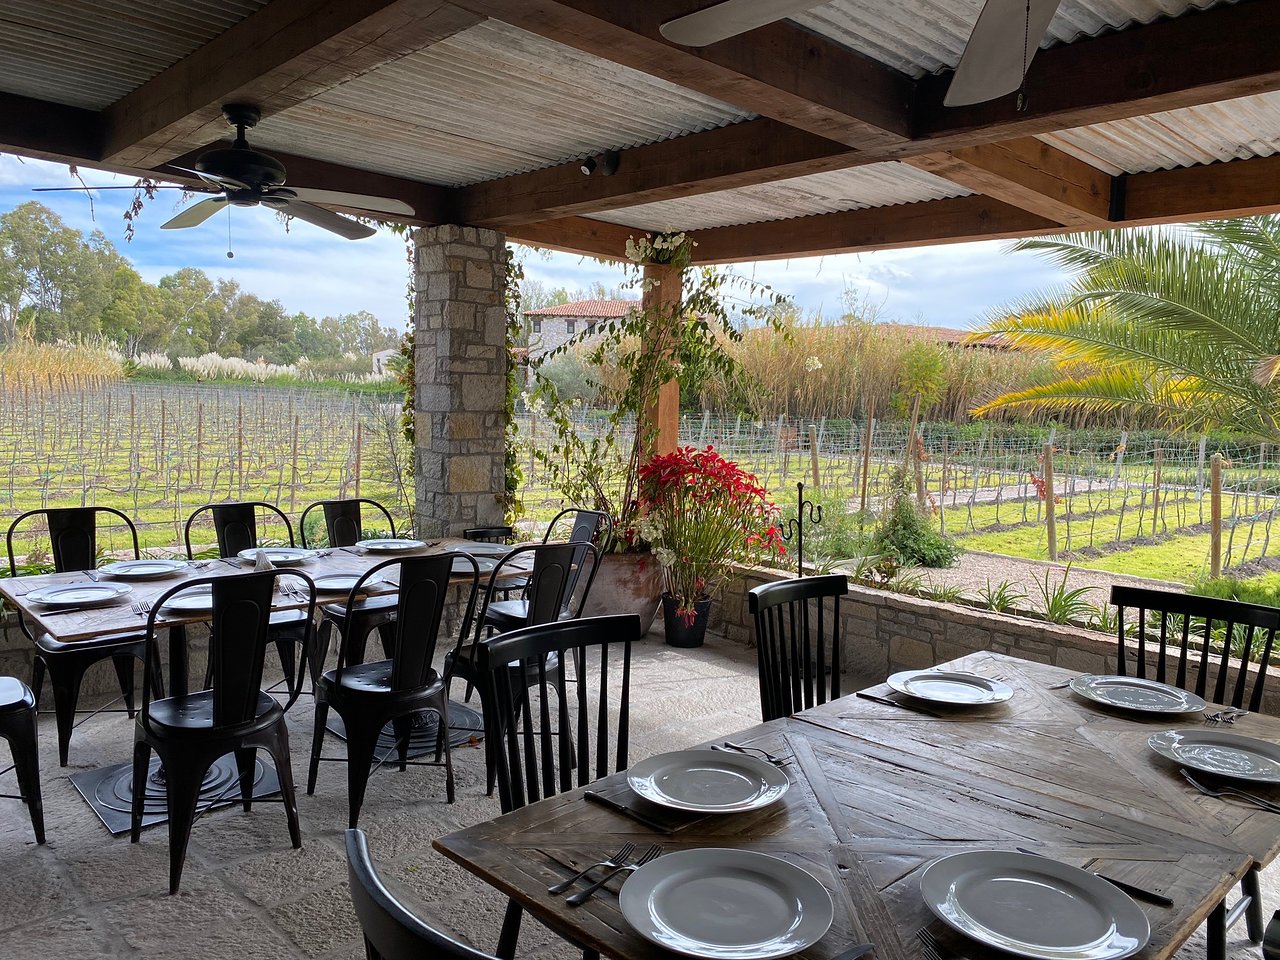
(798, 667)
(1200, 635)
(424, 591)
(342, 521)
(532, 759)
(73, 536)
(489, 534)
(391, 932)
(237, 639)
(236, 524)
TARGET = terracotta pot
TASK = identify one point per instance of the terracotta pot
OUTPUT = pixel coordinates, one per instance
(680, 632)
(626, 583)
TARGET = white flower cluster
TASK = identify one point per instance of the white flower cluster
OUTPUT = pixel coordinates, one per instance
(213, 366)
(661, 248)
(811, 364)
(153, 361)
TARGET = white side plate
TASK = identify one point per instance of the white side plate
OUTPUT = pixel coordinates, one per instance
(955, 689)
(199, 599)
(726, 905)
(484, 564)
(708, 781)
(1132, 693)
(1221, 753)
(390, 545)
(144, 569)
(79, 595)
(1033, 906)
(336, 582)
(280, 556)
(482, 549)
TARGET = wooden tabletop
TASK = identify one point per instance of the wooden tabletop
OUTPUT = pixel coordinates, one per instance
(120, 617)
(878, 792)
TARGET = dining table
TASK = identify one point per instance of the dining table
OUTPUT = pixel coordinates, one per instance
(880, 789)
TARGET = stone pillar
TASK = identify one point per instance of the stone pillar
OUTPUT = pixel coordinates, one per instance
(460, 341)
(661, 298)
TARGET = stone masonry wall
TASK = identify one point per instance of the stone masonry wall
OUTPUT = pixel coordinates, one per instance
(460, 336)
(885, 632)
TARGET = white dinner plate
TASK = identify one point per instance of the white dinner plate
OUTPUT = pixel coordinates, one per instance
(390, 545)
(1221, 753)
(956, 689)
(498, 550)
(144, 569)
(336, 582)
(708, 781)
(725, 904)
(199, 599)
(280, 556)
(485, 565)
(1034, 906)
(79, 595)
(1133, 693)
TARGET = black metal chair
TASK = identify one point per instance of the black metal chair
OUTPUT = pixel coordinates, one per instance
(369, 695)
(342, 520)
(390, 931)
(1206, 633)
(234, 715)
(235, 524)
(489, 534)
(798, 643)
(73, 536)
(543, 740)
(18, 727)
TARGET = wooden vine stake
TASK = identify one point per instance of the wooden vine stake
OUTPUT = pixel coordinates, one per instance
(813, 457)
(866, 455)
(1215, 515)
(1051, 525)
(1155, 490)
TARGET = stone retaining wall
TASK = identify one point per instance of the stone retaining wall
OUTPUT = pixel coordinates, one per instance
(885, 632)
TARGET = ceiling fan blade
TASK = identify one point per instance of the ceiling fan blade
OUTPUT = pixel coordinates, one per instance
(213, 178)
(195, 215)
(320, 217)
(357, 200)
(992, 62)
(730, 18)
(159, 186)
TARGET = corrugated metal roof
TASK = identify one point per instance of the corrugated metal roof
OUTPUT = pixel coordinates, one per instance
(92, 54)
(1231, 130)
(874, 185)
(926, 36)
(489, 101)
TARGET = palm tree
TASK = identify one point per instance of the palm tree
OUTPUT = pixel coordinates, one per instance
(1178, 325)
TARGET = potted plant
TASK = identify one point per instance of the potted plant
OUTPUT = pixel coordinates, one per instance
(598, 464)
(702, 514)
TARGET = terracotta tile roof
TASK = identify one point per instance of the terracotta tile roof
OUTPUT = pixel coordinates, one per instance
(589, 309)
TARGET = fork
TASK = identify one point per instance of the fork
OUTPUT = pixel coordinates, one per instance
(1230, 715)
(141, 607)
(1228, 792)
(745, 748)
(616, 860)
(578, 899)
(933, 950)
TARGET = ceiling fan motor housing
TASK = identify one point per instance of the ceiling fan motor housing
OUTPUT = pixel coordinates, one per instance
(256, 169)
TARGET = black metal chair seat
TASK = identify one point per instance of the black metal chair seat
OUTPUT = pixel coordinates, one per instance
(383, 603)
(18, 727)
(47, 643)
(194, 712)
(372, 679)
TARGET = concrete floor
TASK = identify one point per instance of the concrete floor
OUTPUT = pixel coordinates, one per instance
(247, 894)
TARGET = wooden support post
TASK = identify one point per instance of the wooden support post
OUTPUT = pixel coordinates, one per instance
(942, 488)
(1155, 491)
(866, 455)
(813, 457)
(1215, 515)
(199, 438)
(661, 301)
(293, 463)
(359, 453)
(1051, 526)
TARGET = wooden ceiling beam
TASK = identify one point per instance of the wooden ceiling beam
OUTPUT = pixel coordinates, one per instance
(780, 70)
(590, 238)
(1030, 175)
(285, 53)
(1236, 188)
(740, 155)
(1197, 58)
(48, 131)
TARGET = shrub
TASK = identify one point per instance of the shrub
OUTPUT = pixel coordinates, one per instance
(1231, 588)
(904, 532)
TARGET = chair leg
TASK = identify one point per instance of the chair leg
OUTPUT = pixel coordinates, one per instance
(246, 763)
(1251, 887)
(510, 932)
(183, 776)
(362, 741)
(123, 663)
(277, 747)
(284, 649)
(442, 744)
(141, 767)
(66, 697)
(403, 728)
(1216, 948)
(317, 743)
(20, 730)
(37, 678)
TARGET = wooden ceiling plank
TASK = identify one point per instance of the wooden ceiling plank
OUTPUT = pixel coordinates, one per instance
(287, 52)
(591, 238)
(779, 71)
(1236, 188)
(1031, 175)
(740, 155)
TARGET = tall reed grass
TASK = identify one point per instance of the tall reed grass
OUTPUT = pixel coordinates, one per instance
(60, 364)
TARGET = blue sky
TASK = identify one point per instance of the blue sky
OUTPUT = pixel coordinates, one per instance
(310, 270)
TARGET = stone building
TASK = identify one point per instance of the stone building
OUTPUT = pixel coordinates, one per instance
(550, 327)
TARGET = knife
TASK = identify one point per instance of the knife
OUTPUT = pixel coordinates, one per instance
(853, 953)
(899, 703)
(1141, 893)
(620, 807)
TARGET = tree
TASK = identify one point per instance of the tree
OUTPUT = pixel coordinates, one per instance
(1176, 325)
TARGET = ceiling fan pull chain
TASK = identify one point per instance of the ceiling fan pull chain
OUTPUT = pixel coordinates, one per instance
(1021, 104)
(230, 255)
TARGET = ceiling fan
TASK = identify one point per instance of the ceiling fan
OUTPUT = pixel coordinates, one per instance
(994, 62)
(241, 176)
